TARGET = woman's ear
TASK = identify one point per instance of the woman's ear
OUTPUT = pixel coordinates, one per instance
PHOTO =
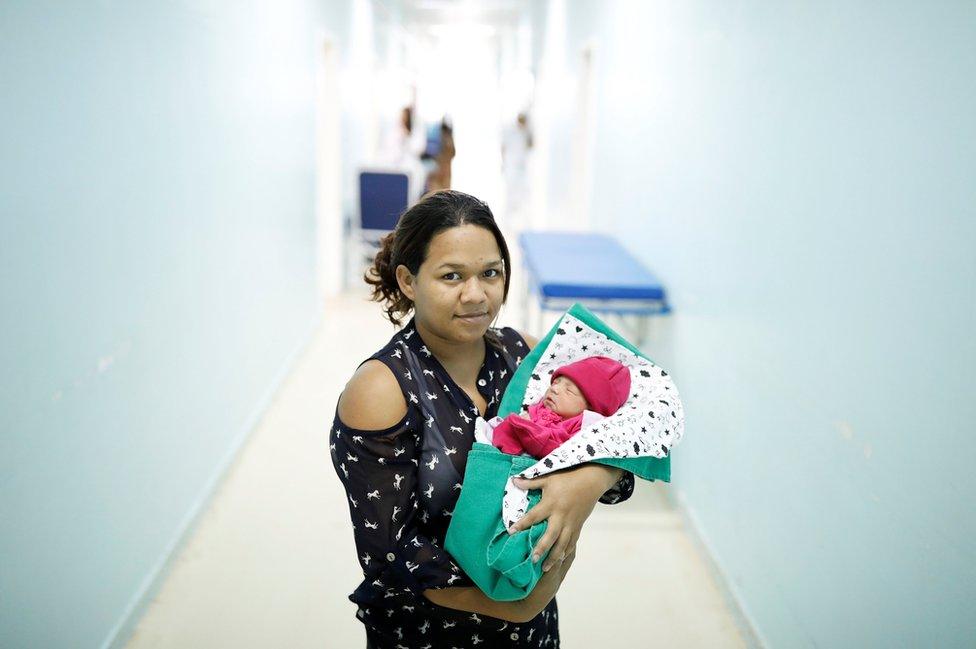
(405, 280)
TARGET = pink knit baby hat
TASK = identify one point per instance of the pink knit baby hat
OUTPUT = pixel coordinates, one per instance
(604, 382)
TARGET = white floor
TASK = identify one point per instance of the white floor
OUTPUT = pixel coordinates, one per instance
(271, 562)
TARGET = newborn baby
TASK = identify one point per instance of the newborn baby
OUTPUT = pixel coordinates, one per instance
(578, 394)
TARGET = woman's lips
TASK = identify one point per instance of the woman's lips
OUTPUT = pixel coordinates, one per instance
(473, 318)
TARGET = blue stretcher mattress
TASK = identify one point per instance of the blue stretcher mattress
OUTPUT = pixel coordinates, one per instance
(581, 265)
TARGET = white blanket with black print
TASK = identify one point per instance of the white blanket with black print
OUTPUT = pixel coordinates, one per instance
(649, 423)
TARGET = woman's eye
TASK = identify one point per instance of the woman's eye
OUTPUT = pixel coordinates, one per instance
(491, 272)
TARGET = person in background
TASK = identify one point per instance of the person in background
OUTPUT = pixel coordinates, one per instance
(402, 146)
(516, 144)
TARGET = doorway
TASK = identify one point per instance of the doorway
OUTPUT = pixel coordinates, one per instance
(584, 127)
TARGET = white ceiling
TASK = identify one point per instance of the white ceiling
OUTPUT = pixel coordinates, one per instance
(498, 13)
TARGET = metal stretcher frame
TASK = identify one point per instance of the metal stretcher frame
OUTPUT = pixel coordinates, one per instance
(593, 269)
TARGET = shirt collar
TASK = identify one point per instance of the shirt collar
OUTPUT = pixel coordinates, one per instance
(489, 372)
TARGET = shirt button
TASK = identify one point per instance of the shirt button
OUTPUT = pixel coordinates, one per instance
(390, 557)
(482, 382)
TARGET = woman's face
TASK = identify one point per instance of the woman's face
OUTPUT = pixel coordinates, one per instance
(564, 398)
(459, 288)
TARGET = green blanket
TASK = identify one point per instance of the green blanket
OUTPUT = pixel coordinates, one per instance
(500, 564)
(477, 537)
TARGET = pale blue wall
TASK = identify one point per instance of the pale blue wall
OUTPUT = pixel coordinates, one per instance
(802, 177)
(156, 274)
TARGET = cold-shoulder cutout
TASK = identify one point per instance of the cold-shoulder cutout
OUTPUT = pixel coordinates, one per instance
(372, 399)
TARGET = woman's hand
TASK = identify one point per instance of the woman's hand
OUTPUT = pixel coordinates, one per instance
(568, 499)
(543, 593)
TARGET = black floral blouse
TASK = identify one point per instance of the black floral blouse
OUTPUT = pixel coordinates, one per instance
(402, 484)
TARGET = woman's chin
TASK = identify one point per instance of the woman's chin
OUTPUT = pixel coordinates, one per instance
(469, 336)
(472, 328)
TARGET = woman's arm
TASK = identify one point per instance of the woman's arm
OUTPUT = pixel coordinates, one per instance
(521, 611)
(373, 448)
(373, 401)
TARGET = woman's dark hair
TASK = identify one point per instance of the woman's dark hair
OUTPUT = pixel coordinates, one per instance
(409, 242)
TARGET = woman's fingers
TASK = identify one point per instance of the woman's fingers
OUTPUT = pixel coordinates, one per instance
(538, 513)
(534, 483)
(558, 553)
(548, 539)
(556, 542)
(560, 550)
(562, 569)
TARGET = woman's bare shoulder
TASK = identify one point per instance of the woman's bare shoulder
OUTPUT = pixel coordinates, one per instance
(372, 399)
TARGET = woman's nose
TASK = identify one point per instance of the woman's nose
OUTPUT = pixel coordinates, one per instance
(473, 291)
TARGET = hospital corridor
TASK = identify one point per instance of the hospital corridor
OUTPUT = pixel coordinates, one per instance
(738, 238)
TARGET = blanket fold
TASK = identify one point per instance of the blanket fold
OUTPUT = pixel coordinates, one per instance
(499, 563)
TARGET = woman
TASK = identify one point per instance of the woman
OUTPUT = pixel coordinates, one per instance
(405, 423)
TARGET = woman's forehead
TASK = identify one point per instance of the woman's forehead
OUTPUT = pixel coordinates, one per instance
(463, 246)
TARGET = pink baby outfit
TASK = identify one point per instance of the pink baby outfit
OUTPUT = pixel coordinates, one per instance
(604, 383)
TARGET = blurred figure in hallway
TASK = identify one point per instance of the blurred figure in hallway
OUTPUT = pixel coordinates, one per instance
(404, 144)
(402, 147)
(516, 142)
(440, 176)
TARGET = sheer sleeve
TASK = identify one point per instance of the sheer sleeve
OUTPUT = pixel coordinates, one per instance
(621, 491)
(379, 472)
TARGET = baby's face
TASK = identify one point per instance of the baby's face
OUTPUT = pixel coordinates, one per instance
(564, 398)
